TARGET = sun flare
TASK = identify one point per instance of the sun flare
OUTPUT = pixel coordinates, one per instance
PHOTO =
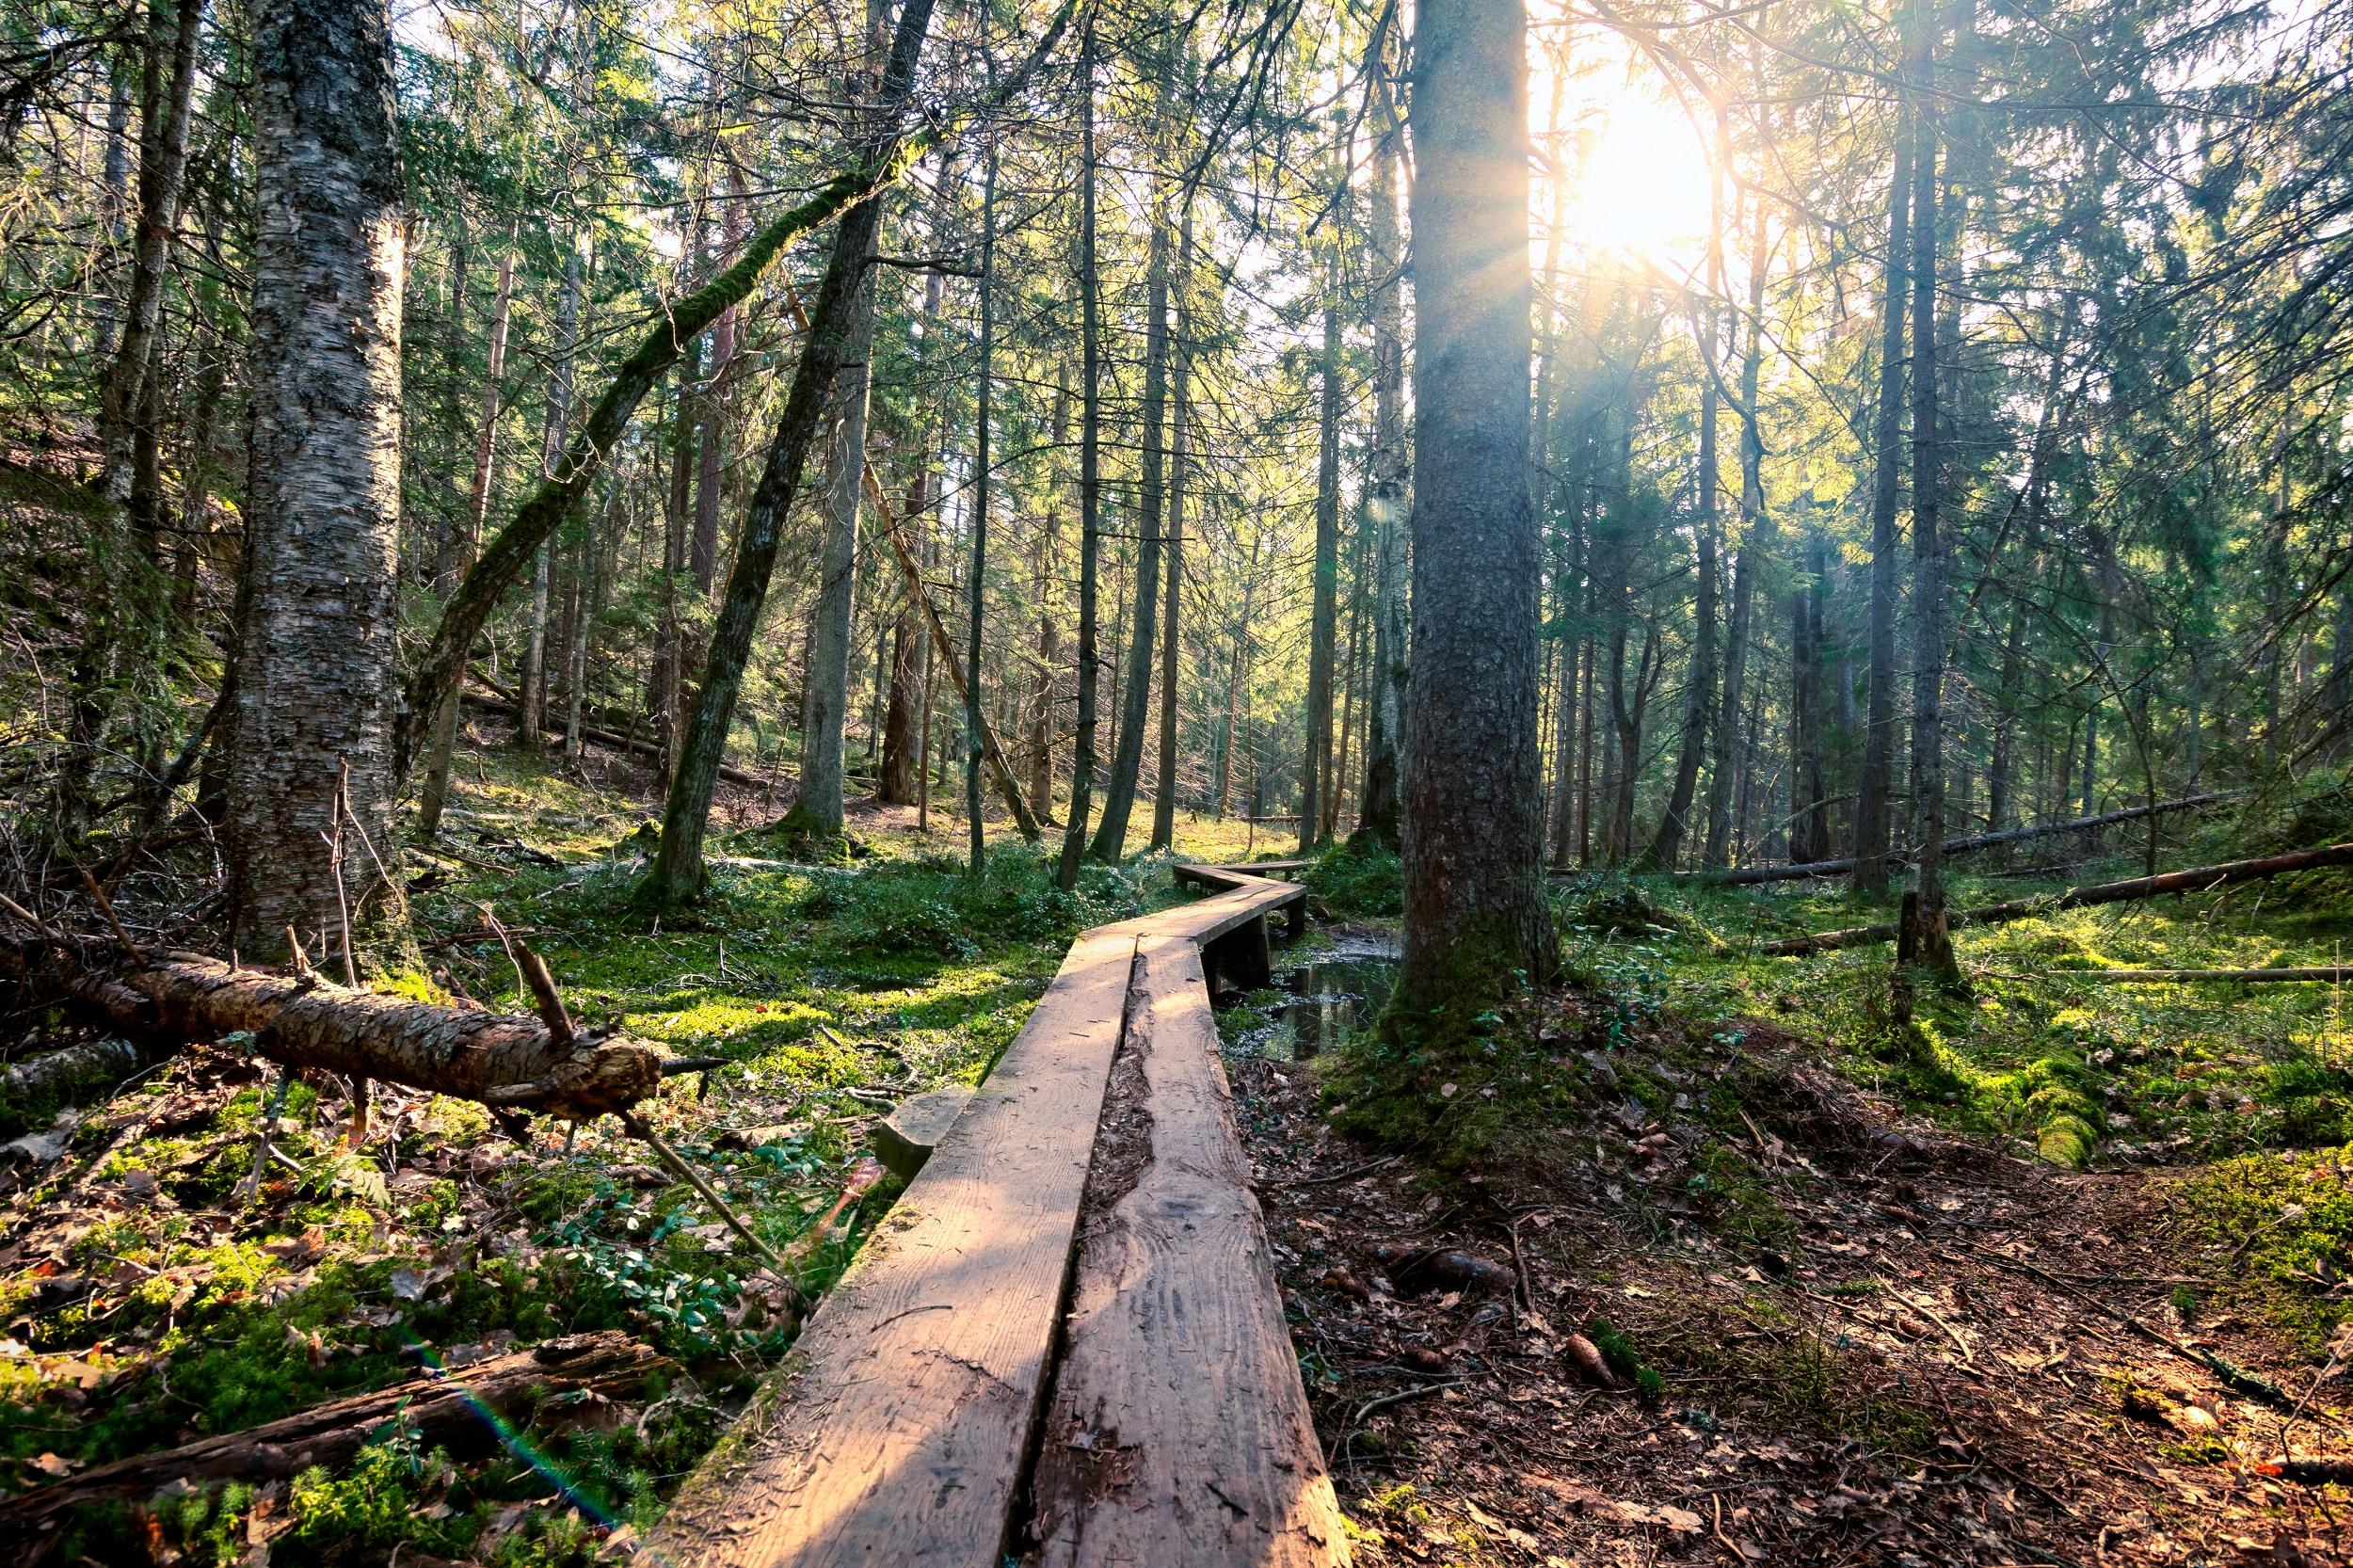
(1635, 178)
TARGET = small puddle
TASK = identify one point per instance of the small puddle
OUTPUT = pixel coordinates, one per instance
(1322, 998)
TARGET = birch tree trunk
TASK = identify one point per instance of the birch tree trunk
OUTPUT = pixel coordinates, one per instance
(1473, 803)
(317, 651)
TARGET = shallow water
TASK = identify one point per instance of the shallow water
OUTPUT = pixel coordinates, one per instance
(1327, 996)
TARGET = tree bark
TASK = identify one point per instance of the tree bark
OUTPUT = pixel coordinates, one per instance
(1165, 783)
(1874, 809)
(1043, 572)
(1699, 691)
(1090, 480)
(1473, 804)
(1135, 711)
(976, 595)
(816, 814)
(532, 681)
(903, 736)
(316, 652)
(434, 797)
(1756, 546)
(678, 871)
(1315, 810)
(1386, 502)
(303, 1021)
(169, 68)
(1929, 939)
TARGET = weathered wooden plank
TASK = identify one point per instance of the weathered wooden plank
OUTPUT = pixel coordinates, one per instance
(1244, 897)
(898, 1429)
(1178, 1434)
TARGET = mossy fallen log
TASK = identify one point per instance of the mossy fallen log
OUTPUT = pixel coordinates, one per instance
(504, 1059)
(2196, 879)
(1751, 875)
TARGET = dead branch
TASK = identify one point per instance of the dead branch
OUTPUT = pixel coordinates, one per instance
(2195, 879)
(445, 1406)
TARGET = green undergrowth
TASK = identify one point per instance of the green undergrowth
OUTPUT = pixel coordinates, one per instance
(1358, 882)
(164, 1304)
(2280, 1227)
(2072, 1070)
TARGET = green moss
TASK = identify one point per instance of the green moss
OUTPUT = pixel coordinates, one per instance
(1358, 882)
(2285, 1224)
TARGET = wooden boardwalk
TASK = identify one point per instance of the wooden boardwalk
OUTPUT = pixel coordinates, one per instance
(1065, 1343)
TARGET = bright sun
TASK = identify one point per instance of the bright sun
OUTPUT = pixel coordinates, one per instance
(1638, 182)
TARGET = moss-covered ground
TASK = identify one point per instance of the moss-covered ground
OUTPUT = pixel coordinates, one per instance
(148, 1298)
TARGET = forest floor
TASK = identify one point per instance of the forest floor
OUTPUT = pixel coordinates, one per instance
(1865, 1290)
(2058, 1274)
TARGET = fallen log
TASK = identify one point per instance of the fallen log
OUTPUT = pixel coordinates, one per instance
(1750, 875)
(92, 1059)
(506, 1060)
(501, 704)
(446, 1407)
(2194, 880)
(2212, 977)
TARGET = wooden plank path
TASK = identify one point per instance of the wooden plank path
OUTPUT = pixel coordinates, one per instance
(1065, 1343)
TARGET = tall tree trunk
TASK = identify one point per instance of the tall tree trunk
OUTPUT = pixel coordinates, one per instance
(1699, 690)
(1135, 705)
(1237, 670)
(1090, 479)
(976, 593)
(1809, 828)
(169, 79)
(831, 343)
(1475, 912)
(312, 727)
(1042, 577)
(1874, 807)
(434, 797)
(1756, 545)
(904, 736)
(1928, 941)
(531, 683)
(1315, 809)
(894, 781)
(710, 478)
(816, 814)
(1164, 786)
(1385, 500)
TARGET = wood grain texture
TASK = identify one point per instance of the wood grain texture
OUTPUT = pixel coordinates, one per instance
(1179, 1434)
(902, 1428)
(897, 1431)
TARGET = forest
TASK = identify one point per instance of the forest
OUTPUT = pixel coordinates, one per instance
(1069, 782)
